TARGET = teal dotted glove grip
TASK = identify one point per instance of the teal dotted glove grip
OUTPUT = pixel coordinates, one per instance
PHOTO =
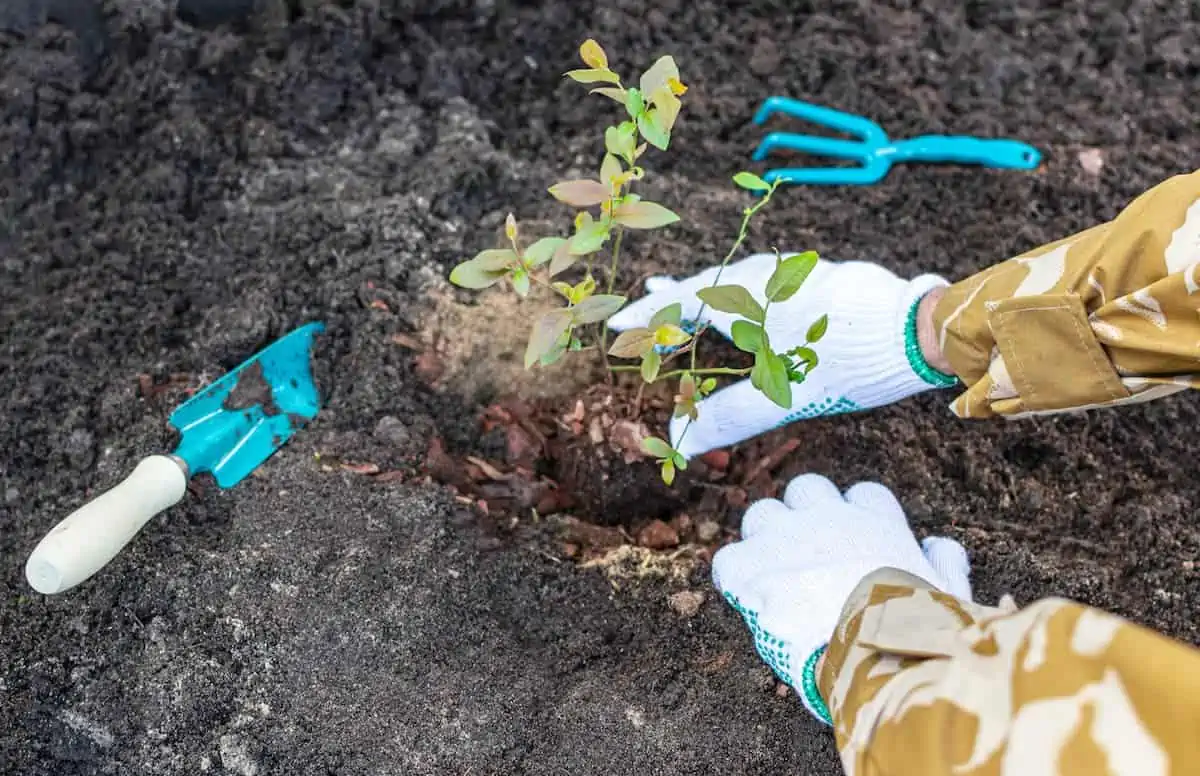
(774, 653)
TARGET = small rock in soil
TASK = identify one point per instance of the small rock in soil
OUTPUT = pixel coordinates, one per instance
(80, 448)
(717, 459)
(765, 59)
(707, 530)
(1092, 161)
(764, 679)
(392, 431)
(686, 602)
(657, 535)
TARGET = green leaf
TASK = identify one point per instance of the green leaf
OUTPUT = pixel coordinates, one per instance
(749, 337)
(563, 259)
(668, 471)
(657, 448)
(632, 343)
(554, 355)
(597, 308)
(643, 215)
(546, 333)
(471, 275)
(732, 299)
(621, 140)
(485, 269)
(520, 282)
(593, 75)
(818, 329)
(750, 181)
(806, 356)
(770, 376)
(497, 259)
(672, 313)
(590, 239)
(652, 129)
(679, 461)
(580, 193)
(543, 250)
(790, 275)
(635, 104)
(708, 386)
(651, 362)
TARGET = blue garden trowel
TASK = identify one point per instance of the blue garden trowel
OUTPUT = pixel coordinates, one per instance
(227, 429)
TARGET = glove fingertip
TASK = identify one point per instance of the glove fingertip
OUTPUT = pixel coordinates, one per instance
(660, 283)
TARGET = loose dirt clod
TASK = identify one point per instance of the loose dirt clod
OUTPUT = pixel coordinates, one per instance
(251, 390)
(481, 347)
(686, 602)
(657, 535)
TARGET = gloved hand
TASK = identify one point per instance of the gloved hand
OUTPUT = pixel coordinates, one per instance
(863, 359)
(799, 560)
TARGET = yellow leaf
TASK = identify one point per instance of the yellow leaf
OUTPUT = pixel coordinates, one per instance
(659, 75)
(667, 107)
(677, 87)
(610, 172)
(669, 335)
(592, 55)
(593, 76)
(614, 93)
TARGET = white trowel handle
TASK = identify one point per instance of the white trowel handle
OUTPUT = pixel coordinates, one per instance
(92, 535)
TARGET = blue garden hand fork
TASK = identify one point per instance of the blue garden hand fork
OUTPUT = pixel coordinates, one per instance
(874, 149)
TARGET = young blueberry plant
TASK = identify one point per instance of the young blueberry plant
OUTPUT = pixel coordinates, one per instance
(607, 208)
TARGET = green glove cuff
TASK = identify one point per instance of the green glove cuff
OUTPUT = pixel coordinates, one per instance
(912, 349)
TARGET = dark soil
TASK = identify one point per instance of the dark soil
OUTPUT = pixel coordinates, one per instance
(202, 191)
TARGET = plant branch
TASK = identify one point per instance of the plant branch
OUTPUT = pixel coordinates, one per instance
(741, 238)
(722, 370)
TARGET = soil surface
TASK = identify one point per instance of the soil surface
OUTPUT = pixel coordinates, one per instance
(203, 190)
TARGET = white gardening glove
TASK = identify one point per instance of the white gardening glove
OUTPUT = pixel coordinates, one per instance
(799, 560)
(863, 363)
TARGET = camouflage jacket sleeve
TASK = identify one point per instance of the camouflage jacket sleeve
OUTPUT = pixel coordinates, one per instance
(1108, 316)
(920, 683)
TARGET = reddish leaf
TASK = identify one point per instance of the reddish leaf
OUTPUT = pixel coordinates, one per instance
(580, 193)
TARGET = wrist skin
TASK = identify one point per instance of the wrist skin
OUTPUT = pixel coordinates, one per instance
(927, 334)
